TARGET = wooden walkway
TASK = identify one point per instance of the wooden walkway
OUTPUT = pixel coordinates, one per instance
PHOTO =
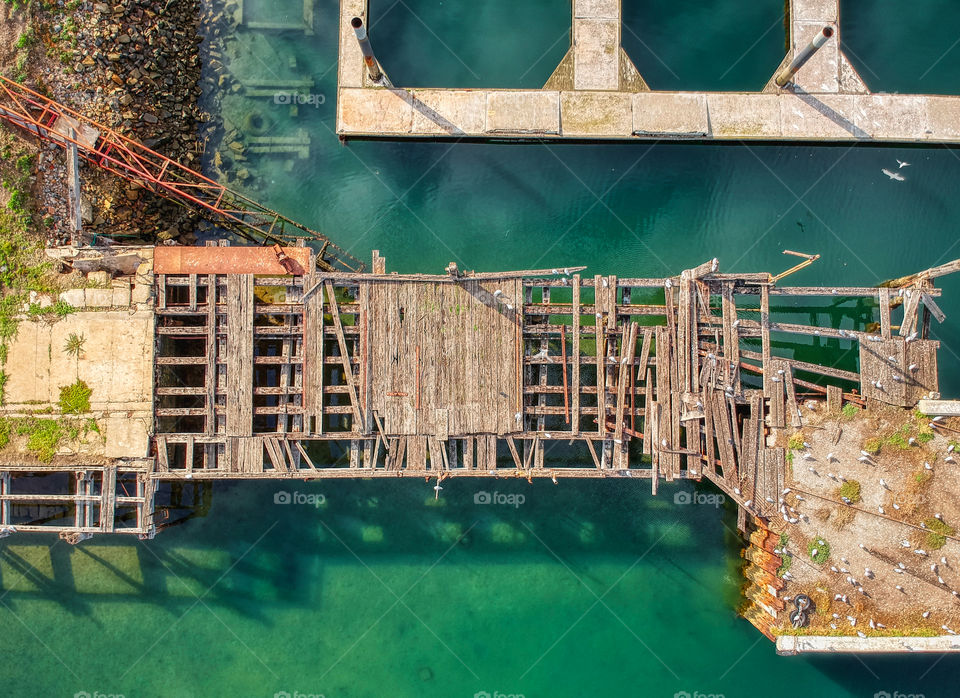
(267, 368)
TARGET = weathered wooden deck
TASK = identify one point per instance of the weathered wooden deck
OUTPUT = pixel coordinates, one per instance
(596, 93)
(263, 373)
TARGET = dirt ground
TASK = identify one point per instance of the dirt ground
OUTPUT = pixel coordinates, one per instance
(884, 563)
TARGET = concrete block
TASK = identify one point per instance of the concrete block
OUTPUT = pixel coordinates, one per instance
(125, 437)
(670, 113)
(596, 9)
(744, 116)
(943, 115)
(141, 293)
(99, 297)
(375, 111)
(818, 116)
(595, 114)
(121, 296)
(596, 54)
(523, 112)
(889, 117)
(75, 297)
(454, 112)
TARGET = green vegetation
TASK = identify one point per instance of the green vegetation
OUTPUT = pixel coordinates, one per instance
(850, 410)
(819, 550)
(937, 532)
(44, 435)
(796, 442)
(61, 309)
(75, 398)
(922, 476)
(851, 490)
(873, 445)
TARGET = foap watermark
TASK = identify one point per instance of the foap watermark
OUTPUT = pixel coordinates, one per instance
(696, 694)
(96, 694)
(296, 694)
(496, 694)
(896, 694)
(299, 98)
(684, 497)
(513, 500)
(310, 499)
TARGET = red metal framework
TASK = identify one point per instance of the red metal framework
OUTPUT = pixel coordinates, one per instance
(131, 160)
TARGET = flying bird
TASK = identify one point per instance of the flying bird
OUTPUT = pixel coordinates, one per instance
(896, 176)
(903, 164)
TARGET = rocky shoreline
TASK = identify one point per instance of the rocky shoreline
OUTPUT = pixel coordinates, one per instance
(133, 66)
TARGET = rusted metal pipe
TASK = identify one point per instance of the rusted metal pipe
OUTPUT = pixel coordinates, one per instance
(805, 55)
(373, 67)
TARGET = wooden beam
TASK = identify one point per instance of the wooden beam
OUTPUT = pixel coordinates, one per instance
(345, 357)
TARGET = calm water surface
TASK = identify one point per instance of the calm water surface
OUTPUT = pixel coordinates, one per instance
(592, 589)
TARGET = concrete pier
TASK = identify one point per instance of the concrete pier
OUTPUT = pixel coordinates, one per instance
(597, 93)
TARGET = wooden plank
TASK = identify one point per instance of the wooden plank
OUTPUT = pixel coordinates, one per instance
(210, 380)
(765, 338)
(648, 433)
(240, 360)
(885, 313)
(932, 306)
(163, 459)
(793, 407)
(468, 453)
(513, 452)
(593, 453)
(911, 303)
(706, 397)
(345, 358)
(627, 350)
(303, 454)
(731, 337)
(644, 353)
(354, 453)
(108, 503)
(834, 398)
(575, 397)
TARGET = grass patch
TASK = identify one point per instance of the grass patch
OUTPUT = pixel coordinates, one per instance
(75, 398)
(43, 436)
(873, 445)
(851, 490)
(937, 532)
(844, 516)
(819, 550)
(786, 561)
(796, 442)
(849, 410)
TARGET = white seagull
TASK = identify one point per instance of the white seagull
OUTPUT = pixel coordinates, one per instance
(896, 176)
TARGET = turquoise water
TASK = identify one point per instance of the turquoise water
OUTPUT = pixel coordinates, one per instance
(257, 598)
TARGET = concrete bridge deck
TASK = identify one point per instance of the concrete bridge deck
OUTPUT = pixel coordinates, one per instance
(597, 93)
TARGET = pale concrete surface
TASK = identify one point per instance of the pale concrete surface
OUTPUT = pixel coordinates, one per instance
(671, 113)
(946, 408)
(829, 101)
(596, 54)
(116, 363)
(529, 111)
(797, 644)
(784, 116)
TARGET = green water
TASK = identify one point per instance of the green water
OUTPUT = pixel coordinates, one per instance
(369, 594)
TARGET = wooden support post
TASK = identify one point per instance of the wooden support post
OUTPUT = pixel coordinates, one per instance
(885, 313)
(575, 408)
(210, 425)
(239, 395)
(358, 424)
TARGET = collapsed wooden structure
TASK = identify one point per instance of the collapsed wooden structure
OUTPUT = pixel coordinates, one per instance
(267, 367)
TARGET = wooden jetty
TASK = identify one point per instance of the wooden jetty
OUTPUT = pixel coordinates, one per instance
(267, 367)
(598, 93)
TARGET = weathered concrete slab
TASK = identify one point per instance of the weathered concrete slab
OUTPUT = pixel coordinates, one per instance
(373, 111)
(597, 9)
(822, 72)
(797, 644)
(940, 408)
(744, 116)
(452, 112)
(943, 116)
(531, 112)
(819, 116)
(788, 115)
(595, 114)
(670, 114)
(901, 117)
(815, 10)
(351, 67)
(596, 54)
(38, 366)
(126, 437)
